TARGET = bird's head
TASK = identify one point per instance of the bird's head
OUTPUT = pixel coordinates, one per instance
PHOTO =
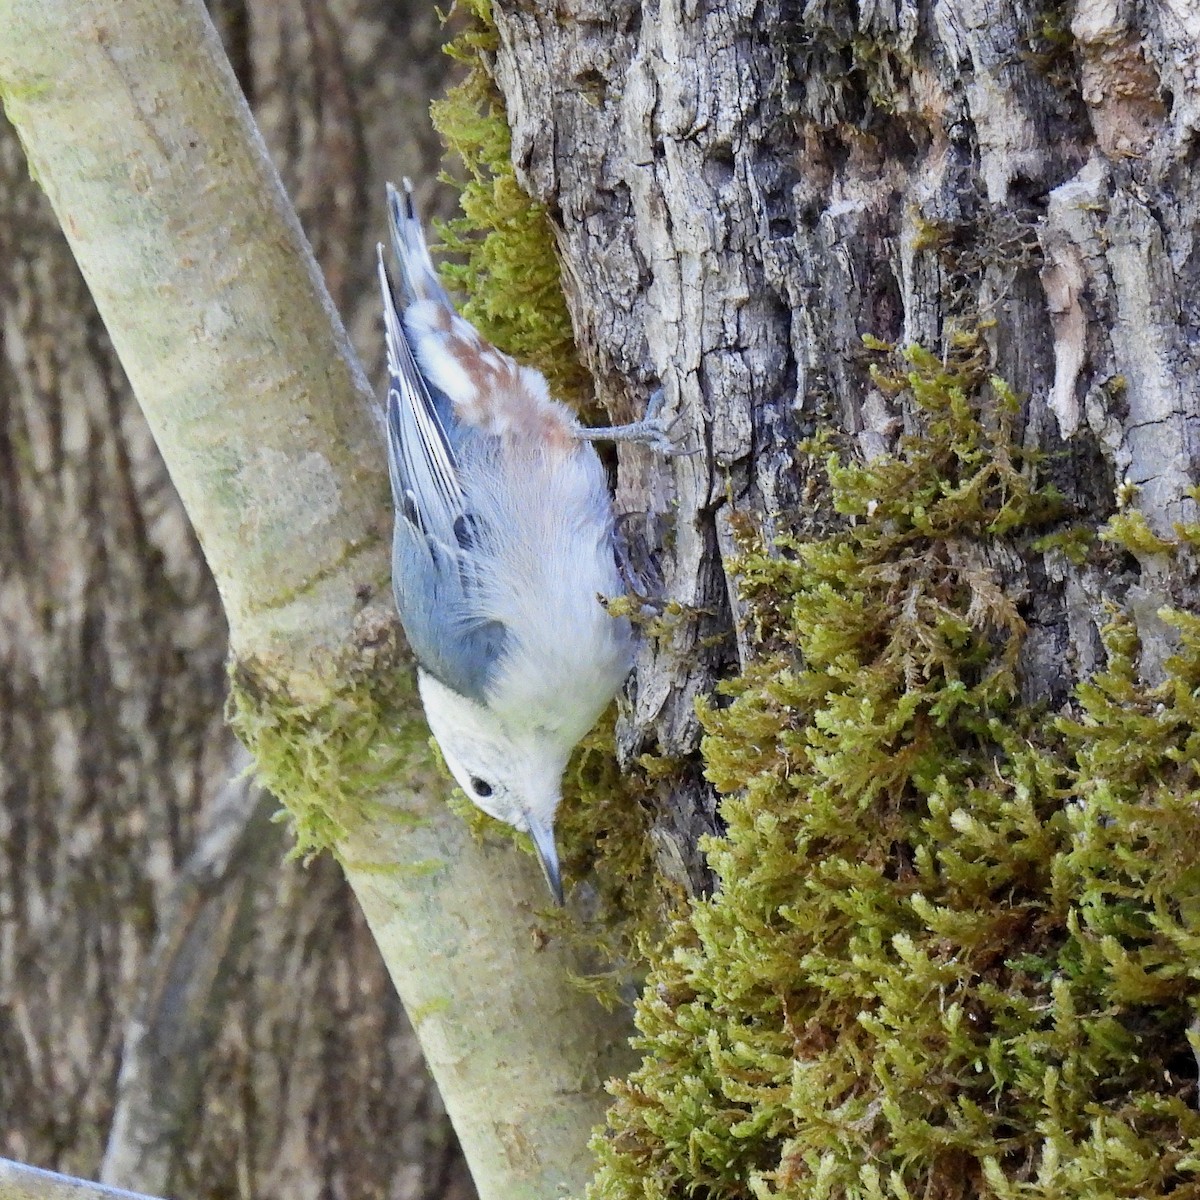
(511, 769)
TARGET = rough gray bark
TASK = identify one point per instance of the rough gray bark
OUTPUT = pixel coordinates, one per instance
(113, 751)
(743, 190)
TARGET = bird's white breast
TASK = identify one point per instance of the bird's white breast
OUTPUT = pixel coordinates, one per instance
(549, 559)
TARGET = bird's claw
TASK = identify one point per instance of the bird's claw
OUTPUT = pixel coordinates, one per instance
(652, 431)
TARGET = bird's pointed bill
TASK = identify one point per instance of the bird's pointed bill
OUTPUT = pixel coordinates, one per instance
(547, 852)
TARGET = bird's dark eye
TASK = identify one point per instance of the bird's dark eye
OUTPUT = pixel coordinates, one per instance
(481, 787)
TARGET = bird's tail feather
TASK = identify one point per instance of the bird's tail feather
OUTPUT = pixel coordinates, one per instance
(418, 279)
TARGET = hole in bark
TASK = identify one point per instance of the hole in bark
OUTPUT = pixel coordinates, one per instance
(592, 84)
(1032, 191)
(719, 165)
(886, 307)
(808, 214)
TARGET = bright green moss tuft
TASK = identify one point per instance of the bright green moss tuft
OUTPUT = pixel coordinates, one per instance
(1130, 530)
(1074, 543)
(953, 952)
(508, 270)
(604, 833)
(328, 760)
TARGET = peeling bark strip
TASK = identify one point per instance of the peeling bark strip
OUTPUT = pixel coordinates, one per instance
(745, 189)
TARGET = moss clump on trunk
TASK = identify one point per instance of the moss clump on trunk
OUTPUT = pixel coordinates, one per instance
(507, 271)
(954, 949)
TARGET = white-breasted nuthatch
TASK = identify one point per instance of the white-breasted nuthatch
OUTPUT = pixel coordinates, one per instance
(503, 547)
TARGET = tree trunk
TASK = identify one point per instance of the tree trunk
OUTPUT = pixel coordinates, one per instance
(296, 1074)
(742, 193)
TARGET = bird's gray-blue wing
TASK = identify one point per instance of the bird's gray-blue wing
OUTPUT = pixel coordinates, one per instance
(434, 564)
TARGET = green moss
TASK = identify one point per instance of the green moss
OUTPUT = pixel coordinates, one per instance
(931, 235)
(846, 64)
(327, 761)
(954, 950)
(1050, 48)
(1074, 543)
(1130, 530)
(507, 268)
(604, 834)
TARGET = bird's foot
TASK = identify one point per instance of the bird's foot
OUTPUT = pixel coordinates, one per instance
(652, 430)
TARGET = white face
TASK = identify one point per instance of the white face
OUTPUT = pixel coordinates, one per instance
(514, 778)
(482, 772)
